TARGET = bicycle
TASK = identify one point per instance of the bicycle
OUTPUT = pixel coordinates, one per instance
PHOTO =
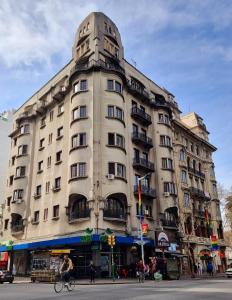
(61, 284)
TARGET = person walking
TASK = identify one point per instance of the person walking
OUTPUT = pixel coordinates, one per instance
(140, 271)
(210, 268)
(199, 269)
(92, 272)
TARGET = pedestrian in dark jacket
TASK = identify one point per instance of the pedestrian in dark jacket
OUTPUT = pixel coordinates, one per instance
(92, 270)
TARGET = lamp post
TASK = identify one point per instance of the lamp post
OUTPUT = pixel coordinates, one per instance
(140, 215)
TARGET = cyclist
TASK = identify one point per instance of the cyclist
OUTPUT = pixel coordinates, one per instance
(66, 269)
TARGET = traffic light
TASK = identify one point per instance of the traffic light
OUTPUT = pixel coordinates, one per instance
(111, 240)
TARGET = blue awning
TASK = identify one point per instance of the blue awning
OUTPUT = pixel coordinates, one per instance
(69, 241)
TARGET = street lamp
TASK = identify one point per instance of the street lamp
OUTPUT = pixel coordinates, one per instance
(140, 215)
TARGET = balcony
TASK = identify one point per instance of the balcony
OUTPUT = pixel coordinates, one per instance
(142, 139)
(197, 192)
(199, 213)
(79, 215)
(138, 91)
(17, 229)
(140, 115)
(115, 215)
(160, 102)
(97, 65)
(145, 191)
(196, 172)
(169, 223)
(143, 164)
(59, 92)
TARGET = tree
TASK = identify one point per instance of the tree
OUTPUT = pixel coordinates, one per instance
(228, 211)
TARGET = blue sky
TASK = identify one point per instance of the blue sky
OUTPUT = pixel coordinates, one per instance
(185, 46)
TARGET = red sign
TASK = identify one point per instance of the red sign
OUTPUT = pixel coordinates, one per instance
(144, 228)
(213, 238)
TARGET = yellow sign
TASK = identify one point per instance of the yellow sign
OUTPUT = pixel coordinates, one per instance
(60, 251)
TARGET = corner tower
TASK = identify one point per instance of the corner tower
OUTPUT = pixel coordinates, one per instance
(97, 38)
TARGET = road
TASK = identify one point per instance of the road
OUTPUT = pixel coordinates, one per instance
(166, 290)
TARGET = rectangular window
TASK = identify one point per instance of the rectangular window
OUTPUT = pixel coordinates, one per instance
(111, 168)
(82, 169)
(182, 155)
(58, 183)
(43, 122)
(110, 85)
(50, 138)
(119, 113)
(51, 115)
(22, 150)
(47, 187)
(60, 109)
(183, 176)
(6, 223)
(121, 171)
(167, 163)
(41, 143)
(60, 132)
(165, 140)
(38, 190)
(83, 85)
(25, 129)
(20, 171)
(82, 139)
(56, 209)
(83, 111)
(119, 140)
(134, 128)
(18, 195)
(40, 166)
(169, 187)
(74, 171)
(45, 217)
(58, 156)
(75, 141)
(13, 160)
(15, 141)
(8, 201)
(49, 161)
(36, 216)
(118, 87)
(186, 200)
(111, 139)
(11, 180)
(110, 111)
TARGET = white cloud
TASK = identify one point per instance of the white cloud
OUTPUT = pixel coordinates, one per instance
(32, 32)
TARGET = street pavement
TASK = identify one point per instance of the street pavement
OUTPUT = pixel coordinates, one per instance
(215, 288)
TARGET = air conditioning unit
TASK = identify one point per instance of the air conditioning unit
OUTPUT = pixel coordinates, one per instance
(63, 89)
(146, 212)
(166, 194)
(110, 176)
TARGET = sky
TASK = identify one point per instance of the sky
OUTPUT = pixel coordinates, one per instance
(184, 46)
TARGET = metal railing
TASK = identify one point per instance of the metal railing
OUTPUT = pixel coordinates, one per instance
(142, 115)
(79, 214)
(196, 172)
(143, 163)
(141, 137)
(145, 190)
(114, 214)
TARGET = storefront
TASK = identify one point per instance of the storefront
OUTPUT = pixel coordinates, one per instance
(48, 254)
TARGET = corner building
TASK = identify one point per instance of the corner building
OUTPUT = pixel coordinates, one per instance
(80, 144)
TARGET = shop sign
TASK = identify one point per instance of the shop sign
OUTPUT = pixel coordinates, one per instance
(163, 240)
(60, 251)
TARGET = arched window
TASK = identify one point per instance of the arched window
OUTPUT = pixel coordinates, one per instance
(115, 207)
(182, 155)
(78, 207)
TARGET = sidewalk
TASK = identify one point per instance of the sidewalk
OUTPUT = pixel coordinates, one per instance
(100, 281)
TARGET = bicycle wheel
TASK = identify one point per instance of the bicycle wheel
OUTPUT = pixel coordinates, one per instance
(71, 285)
(58, 286)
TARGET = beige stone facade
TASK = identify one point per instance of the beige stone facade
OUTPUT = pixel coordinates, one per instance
(80, 143)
